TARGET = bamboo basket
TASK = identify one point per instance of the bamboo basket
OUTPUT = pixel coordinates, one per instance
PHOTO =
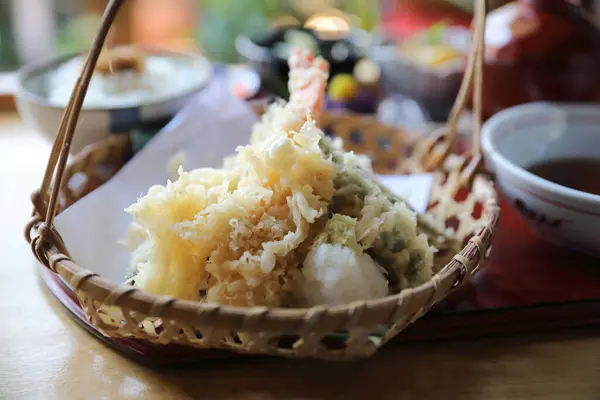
(462, 198)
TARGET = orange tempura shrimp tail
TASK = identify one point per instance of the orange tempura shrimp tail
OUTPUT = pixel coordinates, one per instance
(307, 83)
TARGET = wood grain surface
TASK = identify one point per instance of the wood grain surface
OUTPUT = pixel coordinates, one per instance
(45, 355)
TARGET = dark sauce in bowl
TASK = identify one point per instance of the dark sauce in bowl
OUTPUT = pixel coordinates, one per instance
(581, 174)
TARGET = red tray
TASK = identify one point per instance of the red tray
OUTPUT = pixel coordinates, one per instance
(528, 285)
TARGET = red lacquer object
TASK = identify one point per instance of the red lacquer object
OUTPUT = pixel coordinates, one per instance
(540, 50)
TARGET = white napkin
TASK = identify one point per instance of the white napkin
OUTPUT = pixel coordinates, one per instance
(415, 189)
(209, 128)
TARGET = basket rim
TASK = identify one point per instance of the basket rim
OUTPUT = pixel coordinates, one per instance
(311, 325)
(461, 266)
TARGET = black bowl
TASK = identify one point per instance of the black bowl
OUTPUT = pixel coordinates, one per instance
(258, 51)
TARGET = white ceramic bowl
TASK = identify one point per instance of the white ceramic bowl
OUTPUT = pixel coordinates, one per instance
(524, 135)
(97, 121)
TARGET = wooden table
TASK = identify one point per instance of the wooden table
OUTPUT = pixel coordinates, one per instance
(46, 355)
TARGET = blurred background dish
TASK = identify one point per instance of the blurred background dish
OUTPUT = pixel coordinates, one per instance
(427, 66)
(267, 51)
(133, 79)
(43, 91)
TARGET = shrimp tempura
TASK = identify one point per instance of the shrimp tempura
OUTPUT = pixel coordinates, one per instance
(307, 82)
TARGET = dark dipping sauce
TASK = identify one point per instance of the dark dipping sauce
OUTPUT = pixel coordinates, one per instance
(581, 174)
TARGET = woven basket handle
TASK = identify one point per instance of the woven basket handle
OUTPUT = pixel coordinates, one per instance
(53, 177)
(441, 142)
